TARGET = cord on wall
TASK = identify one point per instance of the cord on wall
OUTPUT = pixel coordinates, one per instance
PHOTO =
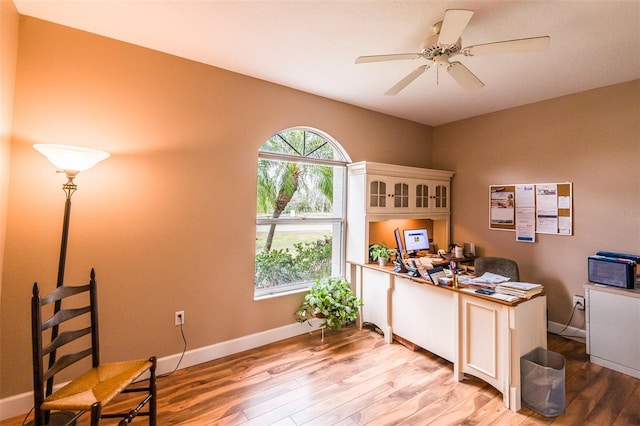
(573, 311)
(184, 349)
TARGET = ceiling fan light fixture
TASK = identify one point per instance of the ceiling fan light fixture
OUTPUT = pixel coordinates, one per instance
(442, 60)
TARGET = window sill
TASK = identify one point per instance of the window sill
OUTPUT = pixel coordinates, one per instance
(280, 293)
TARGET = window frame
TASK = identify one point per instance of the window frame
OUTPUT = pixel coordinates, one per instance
(341, 220)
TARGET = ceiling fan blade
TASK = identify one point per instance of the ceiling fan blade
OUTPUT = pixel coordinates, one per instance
(391, 57)
(464, 77)
(509, 46)
(408, 79)
(453, 24)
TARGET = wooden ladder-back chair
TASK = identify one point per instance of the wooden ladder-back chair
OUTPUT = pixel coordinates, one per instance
(72, 335)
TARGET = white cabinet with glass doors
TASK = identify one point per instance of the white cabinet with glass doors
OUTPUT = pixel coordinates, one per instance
(379, 192)
(393, 195)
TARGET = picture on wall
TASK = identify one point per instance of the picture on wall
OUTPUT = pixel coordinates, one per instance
(502, 206)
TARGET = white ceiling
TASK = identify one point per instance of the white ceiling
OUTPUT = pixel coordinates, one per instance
(311, 45)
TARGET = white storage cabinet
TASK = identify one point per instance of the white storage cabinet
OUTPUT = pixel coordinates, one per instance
(613, 328)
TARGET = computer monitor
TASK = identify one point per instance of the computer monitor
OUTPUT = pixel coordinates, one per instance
(416, 240)
(399, 245)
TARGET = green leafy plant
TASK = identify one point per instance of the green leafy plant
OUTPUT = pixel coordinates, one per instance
(380, 251)
(332, 300)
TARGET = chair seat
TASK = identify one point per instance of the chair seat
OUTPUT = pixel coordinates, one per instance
(99, 384)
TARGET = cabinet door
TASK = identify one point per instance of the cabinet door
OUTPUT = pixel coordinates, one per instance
(422, 201)
(483, 324)
(424, 315)
(441, 197)
(376, 286)
(376, 194)
(400, 195)
(614, 328)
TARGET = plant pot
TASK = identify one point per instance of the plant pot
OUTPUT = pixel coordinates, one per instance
(382, 262)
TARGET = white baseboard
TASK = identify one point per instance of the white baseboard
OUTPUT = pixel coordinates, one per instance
(20, 404)
(207, 353)
(570, 332)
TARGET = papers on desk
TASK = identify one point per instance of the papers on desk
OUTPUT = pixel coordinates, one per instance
(496, 295)
(487, 278)
(523, 290)
(505, 297)
(506, 290)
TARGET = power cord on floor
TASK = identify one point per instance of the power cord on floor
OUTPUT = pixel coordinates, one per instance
(184, 349)
(371, 326)
(24, 422)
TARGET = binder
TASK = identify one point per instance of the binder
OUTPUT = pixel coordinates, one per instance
(631, 257)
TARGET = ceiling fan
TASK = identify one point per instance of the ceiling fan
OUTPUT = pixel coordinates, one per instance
(447, 43)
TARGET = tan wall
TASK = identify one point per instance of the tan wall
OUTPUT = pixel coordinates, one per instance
(8, 57)
(591, 139)
(168, 221)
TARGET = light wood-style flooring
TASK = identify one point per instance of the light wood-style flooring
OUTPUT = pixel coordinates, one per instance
(354, 378)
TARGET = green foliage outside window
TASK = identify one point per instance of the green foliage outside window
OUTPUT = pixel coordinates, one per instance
(307, 262)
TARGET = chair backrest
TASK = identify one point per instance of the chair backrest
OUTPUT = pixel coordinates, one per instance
(64, 326)
(497, 265)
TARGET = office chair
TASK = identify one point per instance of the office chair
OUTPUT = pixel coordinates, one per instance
(497, 265)
(71, 333)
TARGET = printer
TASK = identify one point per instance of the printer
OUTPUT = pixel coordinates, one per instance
(613, 269)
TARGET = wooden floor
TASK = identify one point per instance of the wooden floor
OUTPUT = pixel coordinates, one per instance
(354, 378)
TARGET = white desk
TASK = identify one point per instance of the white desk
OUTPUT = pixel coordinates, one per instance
(481, 336)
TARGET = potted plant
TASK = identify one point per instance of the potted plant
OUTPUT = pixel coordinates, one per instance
(332, 300)
(381, 253)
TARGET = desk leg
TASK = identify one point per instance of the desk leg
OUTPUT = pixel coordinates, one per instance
(457, 346)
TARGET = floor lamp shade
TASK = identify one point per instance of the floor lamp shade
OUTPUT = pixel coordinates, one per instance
(71, 158)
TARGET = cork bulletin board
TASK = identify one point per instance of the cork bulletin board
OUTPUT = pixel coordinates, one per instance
(529, 209)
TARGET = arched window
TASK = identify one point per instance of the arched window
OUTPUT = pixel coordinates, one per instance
(300, 215)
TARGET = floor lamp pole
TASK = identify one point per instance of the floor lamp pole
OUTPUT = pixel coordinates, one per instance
(69, 188)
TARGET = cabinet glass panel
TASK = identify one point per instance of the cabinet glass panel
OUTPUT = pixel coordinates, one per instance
(441, 196)
(401, 195)
(378, 194)
(422, 196)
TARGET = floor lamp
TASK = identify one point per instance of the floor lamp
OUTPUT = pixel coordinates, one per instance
(70, 160)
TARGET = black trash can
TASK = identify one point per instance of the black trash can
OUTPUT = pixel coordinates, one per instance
(542, 377)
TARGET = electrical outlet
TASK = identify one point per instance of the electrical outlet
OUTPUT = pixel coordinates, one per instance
(579, 302)
(179, 318)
